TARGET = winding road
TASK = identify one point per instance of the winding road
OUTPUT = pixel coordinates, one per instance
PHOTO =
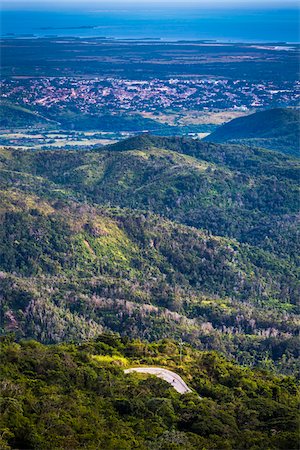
(171, 377)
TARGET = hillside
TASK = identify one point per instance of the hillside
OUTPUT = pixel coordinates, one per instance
(13, 116)
(248, 194)
(76, 120)
(276, 129)
(77, 396)
(69, 120)
(72, 268)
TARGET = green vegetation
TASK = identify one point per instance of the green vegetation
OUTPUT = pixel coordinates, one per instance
(14, 116)
(156, 251)
(77, 396)
(83, 249)
(277, 129)
(248, 194)
(76, 120)
(148, 239)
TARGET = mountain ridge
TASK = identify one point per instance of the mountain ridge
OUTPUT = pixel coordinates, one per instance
(258, 190)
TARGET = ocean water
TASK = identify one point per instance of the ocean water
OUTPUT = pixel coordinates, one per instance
(247, 25)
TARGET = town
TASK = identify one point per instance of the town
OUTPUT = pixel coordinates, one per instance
(96, 95)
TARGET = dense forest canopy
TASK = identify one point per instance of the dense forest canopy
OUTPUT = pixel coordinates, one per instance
(154, 237)
(77, 396)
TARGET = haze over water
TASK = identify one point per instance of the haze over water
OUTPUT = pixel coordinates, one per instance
(233, 24)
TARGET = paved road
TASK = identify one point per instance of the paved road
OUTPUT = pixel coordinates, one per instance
(171, 377)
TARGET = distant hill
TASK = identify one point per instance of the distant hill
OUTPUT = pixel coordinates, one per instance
(76, 120)
(130, 123)
(13, 116)
(276, 129)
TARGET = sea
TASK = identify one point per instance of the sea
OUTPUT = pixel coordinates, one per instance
(234, 24)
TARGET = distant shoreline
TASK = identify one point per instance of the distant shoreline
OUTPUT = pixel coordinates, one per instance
(141, 39)
(255, 24)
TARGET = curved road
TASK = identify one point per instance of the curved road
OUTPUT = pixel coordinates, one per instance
(171, 377)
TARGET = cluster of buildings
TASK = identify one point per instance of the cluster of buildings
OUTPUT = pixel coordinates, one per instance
(91, 95)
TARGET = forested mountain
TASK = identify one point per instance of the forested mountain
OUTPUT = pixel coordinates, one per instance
(77, 396)
(128, 239)
(150, 238)
(276, 129)
(244, 193)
